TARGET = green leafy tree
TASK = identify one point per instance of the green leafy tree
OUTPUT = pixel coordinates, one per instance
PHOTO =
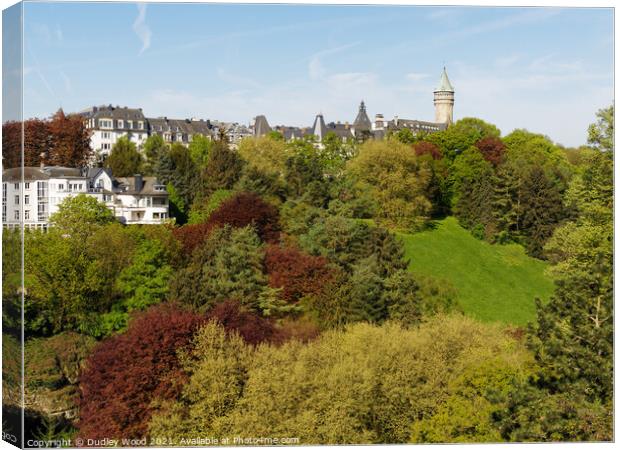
(199, 149)
(124, 159)
(398, 179)
(80, 215)
(153, 149)
(601, 133)
(228, 265)
(223, 169)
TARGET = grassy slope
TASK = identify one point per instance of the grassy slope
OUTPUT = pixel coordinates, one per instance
(494, 282)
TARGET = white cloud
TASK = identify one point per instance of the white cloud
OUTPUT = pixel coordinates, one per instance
(414, 76)
(141, 29)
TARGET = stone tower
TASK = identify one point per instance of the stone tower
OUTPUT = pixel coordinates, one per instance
(444, 100)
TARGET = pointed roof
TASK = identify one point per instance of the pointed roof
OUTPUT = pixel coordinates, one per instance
(319, 129)
(444, 83)
(362, 122)
(261, 126)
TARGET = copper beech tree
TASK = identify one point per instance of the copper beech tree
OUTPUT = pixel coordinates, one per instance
(62, 140)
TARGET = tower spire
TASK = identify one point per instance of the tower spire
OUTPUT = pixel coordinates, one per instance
(444, 99)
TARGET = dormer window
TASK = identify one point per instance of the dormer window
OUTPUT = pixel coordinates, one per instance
(159, 187)
(140, 125)
(105, 123)
(130, 124)
(120, 124)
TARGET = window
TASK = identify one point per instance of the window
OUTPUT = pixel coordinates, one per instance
(105, 135)
(105, 123)
(105, 146)
(61, 187)
(16, 186)
(120, 124)
(130, 124)
(140, 125)
(26, 214)
(26, 199)
(27, 186)
(17, 199)
(17, 214)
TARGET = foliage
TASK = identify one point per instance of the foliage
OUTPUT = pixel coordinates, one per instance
(223, 169)
(492, 149)
(399, 181)
(426, 148)
(153, 149)
(601, 133)
(124, 160)
(295, 273)
(141, 284)
(80, 215)
(199, 149)
(227, 265)
(71, 279)
(176, 168)
(244, 209)
(63, 140)
(118, 386)
(462, 135)
(365, 384)
(202, 208)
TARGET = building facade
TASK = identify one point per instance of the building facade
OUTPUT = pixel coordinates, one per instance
(108, 124)
(33, 199)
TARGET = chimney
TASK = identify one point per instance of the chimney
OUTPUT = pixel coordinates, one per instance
(138, 182)
(42, 158)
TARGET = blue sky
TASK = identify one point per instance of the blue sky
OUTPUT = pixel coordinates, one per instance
(544, 69)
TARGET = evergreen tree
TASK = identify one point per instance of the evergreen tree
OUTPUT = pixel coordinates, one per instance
(124, 159)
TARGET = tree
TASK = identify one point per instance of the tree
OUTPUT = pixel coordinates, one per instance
(199, 149)
(70, 141)
(245, 209)
(460, 136)
(70, 278)
(601, 133)
(124, 159)
(62, 140)
(80, 215)
(398, 180)
(227, 265)
(427, 148)
(117, 387)
(365, 384)
(223, 167)
(295, 273)
(492, 149)
(153, 149)
(472, 178)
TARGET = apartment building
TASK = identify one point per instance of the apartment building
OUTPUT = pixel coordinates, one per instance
(32, 199)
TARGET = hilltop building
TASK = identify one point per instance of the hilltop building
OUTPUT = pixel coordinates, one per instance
(31, 200)
(363, 128)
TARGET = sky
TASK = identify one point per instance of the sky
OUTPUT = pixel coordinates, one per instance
(544, 69)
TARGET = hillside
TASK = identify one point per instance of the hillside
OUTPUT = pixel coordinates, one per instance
(494, 282)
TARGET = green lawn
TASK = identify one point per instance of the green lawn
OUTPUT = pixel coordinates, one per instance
(494, 282)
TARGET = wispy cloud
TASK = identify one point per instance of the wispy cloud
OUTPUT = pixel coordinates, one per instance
(415, 76)
(67, 82)
(316, 70)
(141, 29)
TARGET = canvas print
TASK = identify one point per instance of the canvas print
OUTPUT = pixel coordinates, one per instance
(296, 224)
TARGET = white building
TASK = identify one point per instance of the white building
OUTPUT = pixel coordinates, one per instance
(31, 200)
(109, 123)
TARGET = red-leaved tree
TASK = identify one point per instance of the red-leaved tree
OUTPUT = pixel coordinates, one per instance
(427, 148)
(126, 371)
(63, 140)
(492, 149)
(297, 273)
(253, 328)
(242, 209)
